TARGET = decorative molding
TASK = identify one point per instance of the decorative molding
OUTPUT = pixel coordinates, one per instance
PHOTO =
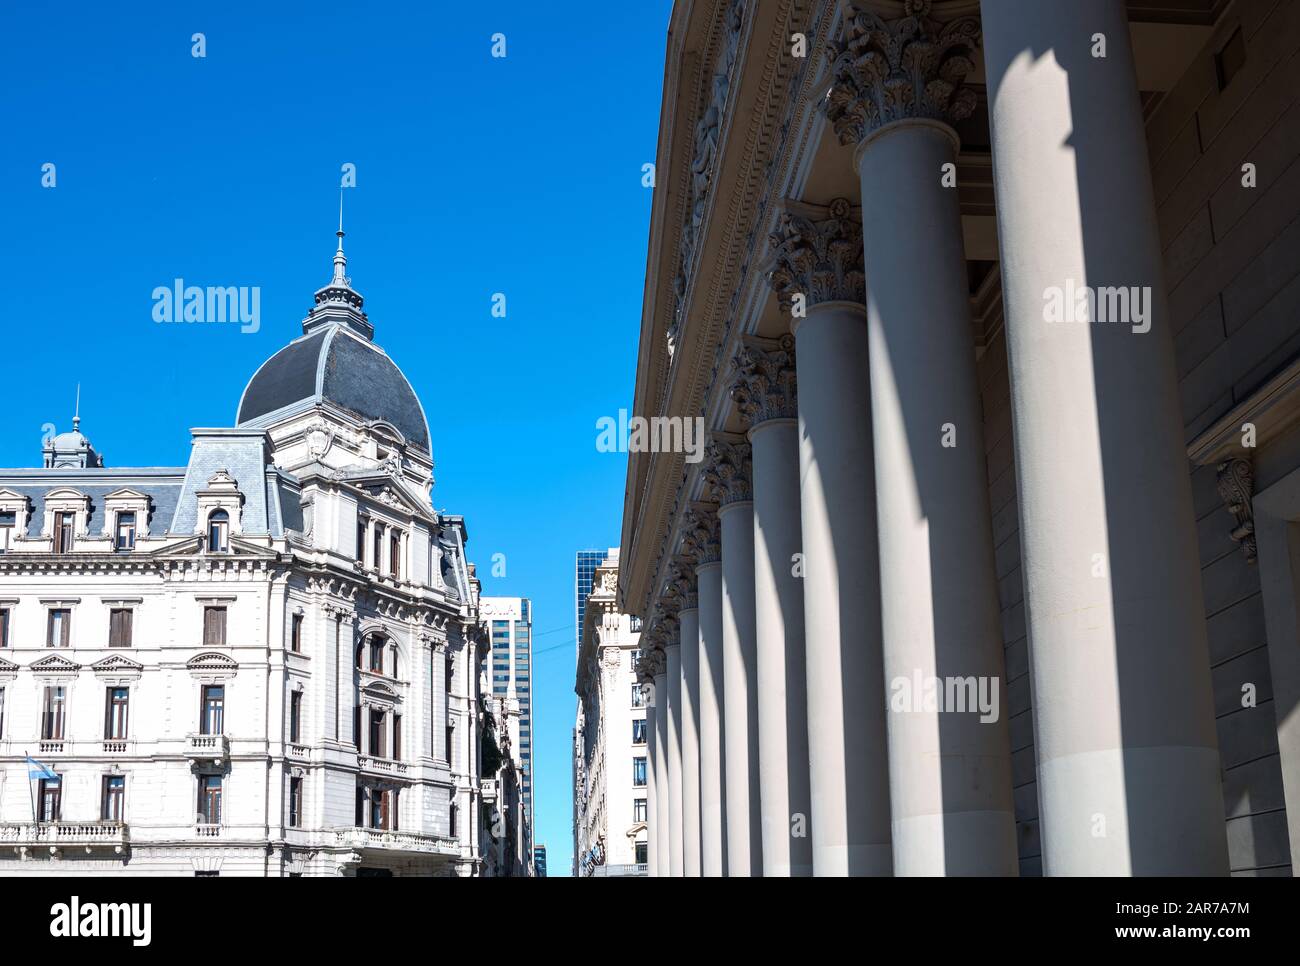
(728, 470)
(212, 667)
(1271, 410)
(817, 254)
(1237, 488)
(763, 386)
(905, 69)
(681, 584)
(54, 665)
(117, 669)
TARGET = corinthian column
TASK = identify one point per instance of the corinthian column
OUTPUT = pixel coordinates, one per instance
(681, 583)
(764, 391)
(896, 90)
(728, 475)
(1128, 764)
(673, 650)
(645, 678)
(702, 543)
(663, 833)
(817, 275)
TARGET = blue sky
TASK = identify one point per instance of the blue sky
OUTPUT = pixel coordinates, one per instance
(474, 176)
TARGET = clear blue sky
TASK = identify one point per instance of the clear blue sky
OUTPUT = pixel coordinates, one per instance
(475, 175)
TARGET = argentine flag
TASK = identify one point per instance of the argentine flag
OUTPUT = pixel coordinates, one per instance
(37, 770)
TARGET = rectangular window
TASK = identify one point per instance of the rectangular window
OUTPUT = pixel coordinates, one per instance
(119, 627)
(125, 531)
(2, 712)
(214, 627)
(642, 853)
(113, 798)
(49, 794)
(378, 809)
(397, 737)
(212, 713)
(361, 542)
(638, 731)
(115, 714)
(638, 809)
(638, 772)
(448, 742)
(52, 717)
(59, 627)
(63, 532)
(356, 729)
(395, 555)
(638, 696)
(295, 636)
(210, 799)
(4, 626)
(378, 557)
(295, 802)
(295, 716)
(8, 526)
(361, 807)
(377, 748)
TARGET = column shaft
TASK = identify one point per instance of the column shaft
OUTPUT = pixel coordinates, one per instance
(713, 846)
(949, 766)
(782, 681)
(740, 686)
(676, 853)
(1128, 764)
(849, 774)
(690, 736)
(663, 833)
(652, 792)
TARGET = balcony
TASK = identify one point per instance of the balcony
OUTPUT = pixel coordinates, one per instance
(207, 749)
(115, 746)
(207, 830)
(382, 766)
(388, 841)
(51, 746)
(620, 871)
(65, 835)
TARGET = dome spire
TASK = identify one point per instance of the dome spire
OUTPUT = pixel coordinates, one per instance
(340, 260)
(338, 303)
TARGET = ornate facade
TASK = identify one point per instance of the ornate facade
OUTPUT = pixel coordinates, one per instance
(266, 662)
(613, 794)
(989, 569)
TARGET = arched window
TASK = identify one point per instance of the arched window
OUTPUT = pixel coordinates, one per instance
(377, 643)
(219, 531)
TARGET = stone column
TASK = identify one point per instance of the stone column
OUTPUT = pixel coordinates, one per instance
(663, 834)
(682, 584)
(728, 474)
(701, 541)
(896, 90)
(646, 680)
(818, 278)
(673, 650)
(764, 391)
(1128, 764)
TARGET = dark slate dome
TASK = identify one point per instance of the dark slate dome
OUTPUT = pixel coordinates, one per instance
(335, 361)
(335, 366)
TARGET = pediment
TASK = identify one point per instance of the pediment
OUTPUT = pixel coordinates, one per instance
(9, 495)
(116, 664)
(8, 667)
(64, 493)
(382, 691)
(55, 664)
(126, 493)
(212, 661)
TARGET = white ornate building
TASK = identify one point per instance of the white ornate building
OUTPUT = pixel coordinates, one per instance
(991, 311)
(613, 785)
(266, 662)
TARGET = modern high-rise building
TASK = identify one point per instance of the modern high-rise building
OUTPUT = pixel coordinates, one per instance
(539, 861)
(584, 571)
(510, 623)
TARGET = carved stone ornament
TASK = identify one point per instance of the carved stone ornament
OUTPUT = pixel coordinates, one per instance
(1236, 489)
(764, 384)
(704, 154)
(817, 254)
(729, 472)
(681, 584)
(913, 67)
(701, 535)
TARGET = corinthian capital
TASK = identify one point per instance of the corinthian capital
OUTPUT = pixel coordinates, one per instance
(817, 255)
(701, 535)
(681, 583)
(764, 384)
(913, 67)
(729, 470)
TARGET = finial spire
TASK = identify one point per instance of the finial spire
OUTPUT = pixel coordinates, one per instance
(340, 260)
(76, 413)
